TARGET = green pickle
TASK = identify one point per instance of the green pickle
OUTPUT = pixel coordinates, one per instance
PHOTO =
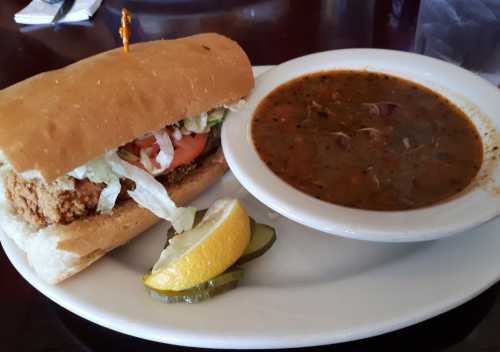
(213, 287)
(262, 238)
(252, 226)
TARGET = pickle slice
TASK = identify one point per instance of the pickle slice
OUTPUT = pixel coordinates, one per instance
(213, 287)
(252, 225)
(263, 237)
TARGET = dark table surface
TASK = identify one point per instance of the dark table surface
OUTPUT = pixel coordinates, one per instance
(270, 32)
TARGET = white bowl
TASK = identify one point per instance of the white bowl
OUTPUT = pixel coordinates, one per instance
(479, 203)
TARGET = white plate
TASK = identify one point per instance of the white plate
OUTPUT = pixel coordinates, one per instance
(309, 289)
(477, 204)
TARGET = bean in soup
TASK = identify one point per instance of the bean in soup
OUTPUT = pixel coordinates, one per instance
(367, 140)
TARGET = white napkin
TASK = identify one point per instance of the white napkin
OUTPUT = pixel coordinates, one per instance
(39, 12)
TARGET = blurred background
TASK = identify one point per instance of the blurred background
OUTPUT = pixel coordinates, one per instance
(465, 32)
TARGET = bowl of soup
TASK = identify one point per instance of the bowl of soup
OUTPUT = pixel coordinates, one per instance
(370, 144)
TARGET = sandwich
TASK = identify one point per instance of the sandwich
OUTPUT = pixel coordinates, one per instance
(95, 153)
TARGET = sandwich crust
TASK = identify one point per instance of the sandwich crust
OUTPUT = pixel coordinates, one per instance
(45, 120)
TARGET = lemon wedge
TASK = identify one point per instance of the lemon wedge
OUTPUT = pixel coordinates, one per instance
(205, 251)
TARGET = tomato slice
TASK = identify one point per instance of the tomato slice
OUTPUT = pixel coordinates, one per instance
(155, 149)
(187, 149)
(133, 149)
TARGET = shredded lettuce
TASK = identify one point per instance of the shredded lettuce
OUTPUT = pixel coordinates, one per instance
(197, 124)
(98, 171)
(65, 183)
(108, 196)
(79, 172)
(216, 116)
(237, 106)
(150, 194)
(31, 174)
(203, 123)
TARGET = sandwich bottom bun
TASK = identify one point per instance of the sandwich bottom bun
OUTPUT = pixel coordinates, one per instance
(58, 251)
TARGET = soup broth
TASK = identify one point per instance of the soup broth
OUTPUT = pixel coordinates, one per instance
(367, 140)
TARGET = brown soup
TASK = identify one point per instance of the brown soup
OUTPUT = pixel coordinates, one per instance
(367, 140)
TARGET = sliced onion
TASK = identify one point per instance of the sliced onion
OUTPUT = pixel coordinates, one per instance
(166, 154)
(177, 134)
(145, 160)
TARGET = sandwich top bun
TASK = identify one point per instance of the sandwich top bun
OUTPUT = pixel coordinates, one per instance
(59, 120)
